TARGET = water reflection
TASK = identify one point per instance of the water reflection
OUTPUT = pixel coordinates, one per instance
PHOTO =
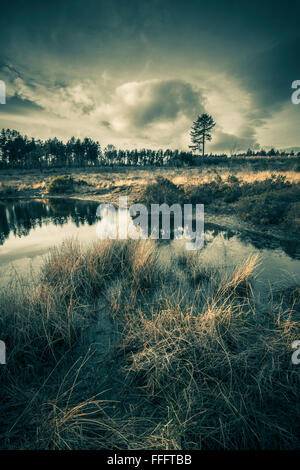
(20, 217)
(29, 228)
(260, 241)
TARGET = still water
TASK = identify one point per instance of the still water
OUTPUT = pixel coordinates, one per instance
(28, 229)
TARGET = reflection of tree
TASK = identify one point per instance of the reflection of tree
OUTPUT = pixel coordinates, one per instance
(20, 217)
(61, 206)
(4, 228)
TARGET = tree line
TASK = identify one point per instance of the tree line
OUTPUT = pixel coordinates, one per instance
(18, 151)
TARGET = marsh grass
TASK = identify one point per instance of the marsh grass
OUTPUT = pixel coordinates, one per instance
(198, 364)
(86, 273)
(220, 379)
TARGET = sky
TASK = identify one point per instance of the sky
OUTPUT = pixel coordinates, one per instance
(136, 73)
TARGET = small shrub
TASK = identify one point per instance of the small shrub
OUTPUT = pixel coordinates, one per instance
(255, 188)
(232, 179)
(296, 167)
(270, 207)
(60, 184)
(232, 192)
(292, 218)
(205, 193)
(162, 191)
(262, 210)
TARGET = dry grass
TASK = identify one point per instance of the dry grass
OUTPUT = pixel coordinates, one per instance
(128, 180)
(219, 378)
(86, 273)
(249, 177)
(198, 365)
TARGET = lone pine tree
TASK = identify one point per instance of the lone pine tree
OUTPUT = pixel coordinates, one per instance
(201, 131)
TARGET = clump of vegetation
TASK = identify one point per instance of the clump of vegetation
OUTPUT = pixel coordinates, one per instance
(191, 362)
(232, 189)
(296, 167)
(272, 208)
(86, 273)
(206, 193)
(162, 191)
(60, 184)
(6, 190)
(274, 183)
(273, 201)
(292, 217)
(232, 179)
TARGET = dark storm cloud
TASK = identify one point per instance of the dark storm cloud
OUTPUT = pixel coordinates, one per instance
(17, 105)
(163, 101)
(270, 74)
(72, 58)
(70, 39)
(110, 32)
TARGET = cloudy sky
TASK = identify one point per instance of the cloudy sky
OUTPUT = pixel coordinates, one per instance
(135, 73)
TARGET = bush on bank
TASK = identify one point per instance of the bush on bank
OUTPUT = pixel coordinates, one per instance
(60, 185)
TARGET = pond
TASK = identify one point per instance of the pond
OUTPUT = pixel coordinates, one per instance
(29, 228)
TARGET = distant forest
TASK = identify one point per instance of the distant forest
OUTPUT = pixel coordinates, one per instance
(18, 151)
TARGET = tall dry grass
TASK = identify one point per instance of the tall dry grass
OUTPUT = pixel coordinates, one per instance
(219, 378)
(198, 364)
